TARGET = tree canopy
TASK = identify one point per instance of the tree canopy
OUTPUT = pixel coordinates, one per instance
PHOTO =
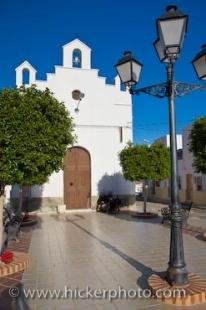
(35, 132)
(141, 162)
(198, 144)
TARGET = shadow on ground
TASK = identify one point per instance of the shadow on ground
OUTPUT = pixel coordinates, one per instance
(14, 298)
(200, 237)
(145, 270)
(128, 216)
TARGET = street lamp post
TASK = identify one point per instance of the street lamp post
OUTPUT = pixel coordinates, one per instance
(171, 29)
(199, 63)
(176, 272)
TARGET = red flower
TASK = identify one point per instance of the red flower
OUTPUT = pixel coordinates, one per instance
(7, 257)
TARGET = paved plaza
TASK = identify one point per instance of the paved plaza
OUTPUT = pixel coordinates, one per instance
(105, 252)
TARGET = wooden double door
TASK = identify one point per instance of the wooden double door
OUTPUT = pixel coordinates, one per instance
(77, 178)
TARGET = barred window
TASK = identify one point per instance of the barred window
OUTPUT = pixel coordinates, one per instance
(179, 182)
(198, 183)
(120, 134)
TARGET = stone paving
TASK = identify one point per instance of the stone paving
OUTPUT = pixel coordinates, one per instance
(196, 224)
(14, 280)
(89, 249)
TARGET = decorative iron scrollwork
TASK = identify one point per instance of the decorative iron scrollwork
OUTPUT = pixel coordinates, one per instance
(161, 90)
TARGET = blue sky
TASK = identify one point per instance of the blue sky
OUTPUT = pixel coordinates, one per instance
(35, 30)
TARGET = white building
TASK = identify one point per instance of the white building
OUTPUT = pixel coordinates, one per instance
(166, 141)
(192, 185)
(160, 190)
(103, 125)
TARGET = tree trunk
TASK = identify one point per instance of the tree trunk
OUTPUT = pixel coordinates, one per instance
(2, 190)
(1, 219)
(145, 193)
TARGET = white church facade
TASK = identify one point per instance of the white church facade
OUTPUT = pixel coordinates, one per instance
(102, 114)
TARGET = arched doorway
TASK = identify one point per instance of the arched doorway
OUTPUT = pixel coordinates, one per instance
(77, 178)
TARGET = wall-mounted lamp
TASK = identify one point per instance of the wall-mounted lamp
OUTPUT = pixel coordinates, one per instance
(77, 95)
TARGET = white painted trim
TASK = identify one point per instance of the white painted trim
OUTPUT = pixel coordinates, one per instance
(76, 41)
(25, 64)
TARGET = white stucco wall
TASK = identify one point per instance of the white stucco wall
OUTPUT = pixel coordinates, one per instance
(19, 73)
(166, 141)
(102, 111)
(68, 50)
(186, 165)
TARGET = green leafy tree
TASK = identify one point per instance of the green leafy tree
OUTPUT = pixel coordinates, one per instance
(35, 132)
(198, 144)
(144, 163)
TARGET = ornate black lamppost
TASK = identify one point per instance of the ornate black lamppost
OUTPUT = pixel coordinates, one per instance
(199, 63)
(171, 29)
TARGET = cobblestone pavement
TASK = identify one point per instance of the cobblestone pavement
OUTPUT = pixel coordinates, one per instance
(82, 249)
